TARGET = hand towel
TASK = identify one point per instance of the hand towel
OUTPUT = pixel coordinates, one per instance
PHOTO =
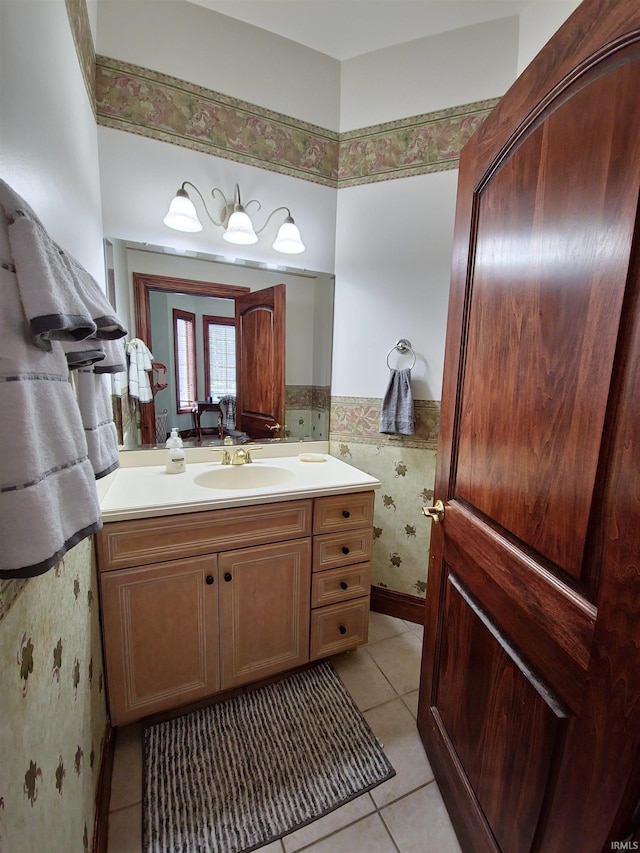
(94, 400)
(396, 413)
(228, 410)
(140, 359)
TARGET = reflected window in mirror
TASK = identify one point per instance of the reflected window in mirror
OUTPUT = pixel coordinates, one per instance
(184, 339)
(219, 336)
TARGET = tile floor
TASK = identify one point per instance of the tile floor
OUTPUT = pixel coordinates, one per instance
(404, 814)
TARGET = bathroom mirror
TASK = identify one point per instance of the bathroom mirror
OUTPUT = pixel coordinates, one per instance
(308, 334)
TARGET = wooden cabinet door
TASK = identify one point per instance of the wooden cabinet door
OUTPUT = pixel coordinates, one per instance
(530, 694)
(264, 610)
(260, 362)
(160, 628)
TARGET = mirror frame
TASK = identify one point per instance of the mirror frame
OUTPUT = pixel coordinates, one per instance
(143, 284)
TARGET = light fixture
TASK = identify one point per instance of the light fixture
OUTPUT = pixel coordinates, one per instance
(235, 220)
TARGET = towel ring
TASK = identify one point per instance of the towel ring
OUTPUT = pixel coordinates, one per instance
(403, 346)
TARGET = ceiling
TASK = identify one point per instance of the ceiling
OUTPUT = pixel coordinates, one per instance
(343, 29)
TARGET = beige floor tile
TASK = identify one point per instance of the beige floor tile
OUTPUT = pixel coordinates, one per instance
(125, 830)
(411, 701)
(382, 626)
(347, 814)
(126, 782)
(368, 835)
(394, 726)
(419, 823)
(274, 847)
(415, 628)
(399, 659)
(362, 678)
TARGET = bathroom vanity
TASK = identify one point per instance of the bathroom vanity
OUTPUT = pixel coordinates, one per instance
(221, 587)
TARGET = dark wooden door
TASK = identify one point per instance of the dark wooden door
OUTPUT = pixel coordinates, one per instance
(260, 355)
(530, 691)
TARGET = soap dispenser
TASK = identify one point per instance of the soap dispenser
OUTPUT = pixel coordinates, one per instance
(175, 458)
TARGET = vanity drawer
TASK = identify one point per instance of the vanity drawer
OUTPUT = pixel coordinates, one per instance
(340, 584)
(343, 512)
(339, 627)
(342, 549)
(143, 541)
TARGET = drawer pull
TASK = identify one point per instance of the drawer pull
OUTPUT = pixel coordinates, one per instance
(344, 585)
(342, 629)
(346, 513)
(345, 550)
(228, 576)
(209, 579)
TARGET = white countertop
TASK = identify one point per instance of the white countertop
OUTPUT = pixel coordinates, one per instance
(146, 490)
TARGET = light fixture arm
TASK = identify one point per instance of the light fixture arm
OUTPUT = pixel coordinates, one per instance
(259, 230)
(204, 204)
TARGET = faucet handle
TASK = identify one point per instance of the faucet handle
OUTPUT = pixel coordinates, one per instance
(251, 450)
(226, 459)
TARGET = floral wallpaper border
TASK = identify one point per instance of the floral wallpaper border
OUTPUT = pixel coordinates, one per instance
(81, 32)
(155, 105)
(161, 107)
(358, 418)
(413, 146)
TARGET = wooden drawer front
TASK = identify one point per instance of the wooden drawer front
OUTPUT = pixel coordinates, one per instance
(339, 627)
(150, 540)
(340, 584)
(343, 512)
(342, 549)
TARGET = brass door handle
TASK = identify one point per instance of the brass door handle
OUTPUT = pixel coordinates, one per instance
(273, 427)
(435, 512)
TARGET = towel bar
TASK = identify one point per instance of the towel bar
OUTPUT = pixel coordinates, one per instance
(402, 346)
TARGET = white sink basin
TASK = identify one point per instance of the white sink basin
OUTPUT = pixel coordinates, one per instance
(250, 476)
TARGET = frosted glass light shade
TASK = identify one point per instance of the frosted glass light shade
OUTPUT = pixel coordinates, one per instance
(240, 230)
(182, 215)
(288, 240)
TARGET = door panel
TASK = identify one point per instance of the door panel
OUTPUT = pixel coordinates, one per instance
(260, 356)
(499, 715)
(531, 662)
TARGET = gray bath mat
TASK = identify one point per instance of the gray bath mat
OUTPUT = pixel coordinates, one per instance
(240, 774)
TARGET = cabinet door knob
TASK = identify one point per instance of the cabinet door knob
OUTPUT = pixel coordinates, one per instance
(342, 629)
(228, 576)
(345, 550)
(209, 579)
(345, 513)
(344, 585)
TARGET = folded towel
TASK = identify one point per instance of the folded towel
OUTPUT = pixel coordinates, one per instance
(396, 413)
(94, 399)
(61, 301)
(140, 359)
(228, 410)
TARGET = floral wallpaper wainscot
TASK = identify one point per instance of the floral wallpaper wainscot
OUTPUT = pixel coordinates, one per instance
(53, 710)
(405, 467)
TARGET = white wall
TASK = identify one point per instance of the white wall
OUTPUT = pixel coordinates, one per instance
(140, 176)
(48, 141)
(538, 22)
(429, 74)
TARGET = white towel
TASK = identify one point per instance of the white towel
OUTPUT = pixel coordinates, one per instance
(228, 410)
(396, 413)
(140, 359)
